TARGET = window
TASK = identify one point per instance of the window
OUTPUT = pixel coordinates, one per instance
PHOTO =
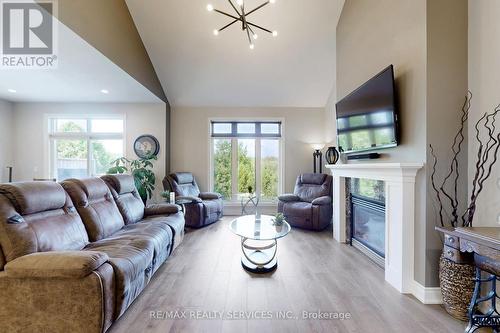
(84, 146)
(246, 157)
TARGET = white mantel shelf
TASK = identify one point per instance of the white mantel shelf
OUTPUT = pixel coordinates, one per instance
(399, 181)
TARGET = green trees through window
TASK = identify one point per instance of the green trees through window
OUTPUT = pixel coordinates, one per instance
(72, 152)
(246, 167)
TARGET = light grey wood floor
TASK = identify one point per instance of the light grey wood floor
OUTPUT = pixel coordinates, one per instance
(314, 274)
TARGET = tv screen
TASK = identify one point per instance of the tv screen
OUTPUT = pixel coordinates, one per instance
(367, 118)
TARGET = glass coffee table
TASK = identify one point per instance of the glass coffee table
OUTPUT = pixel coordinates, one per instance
(259, 241)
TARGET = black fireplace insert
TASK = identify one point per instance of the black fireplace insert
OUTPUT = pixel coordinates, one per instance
(368, 223)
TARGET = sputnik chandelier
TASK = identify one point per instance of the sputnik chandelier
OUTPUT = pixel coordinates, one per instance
(241, 16)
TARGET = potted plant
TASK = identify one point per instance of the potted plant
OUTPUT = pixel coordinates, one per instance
(278, 220)
(457, 280)
(141, 170)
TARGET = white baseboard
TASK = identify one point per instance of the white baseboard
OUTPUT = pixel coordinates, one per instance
(427, 295)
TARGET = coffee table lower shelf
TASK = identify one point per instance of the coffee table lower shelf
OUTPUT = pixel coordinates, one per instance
(259, 259)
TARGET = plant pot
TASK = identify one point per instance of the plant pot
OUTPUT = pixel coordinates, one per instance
(457, 287)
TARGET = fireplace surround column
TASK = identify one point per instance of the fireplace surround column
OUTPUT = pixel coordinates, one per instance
(399, 181)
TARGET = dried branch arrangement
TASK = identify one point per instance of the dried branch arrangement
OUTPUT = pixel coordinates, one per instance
(487, 155)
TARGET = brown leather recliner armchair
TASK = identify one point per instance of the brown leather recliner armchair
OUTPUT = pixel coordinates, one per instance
(204, 208)
(310, 206)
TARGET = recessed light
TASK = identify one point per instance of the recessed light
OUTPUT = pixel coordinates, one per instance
(105, 91)
(12, 90)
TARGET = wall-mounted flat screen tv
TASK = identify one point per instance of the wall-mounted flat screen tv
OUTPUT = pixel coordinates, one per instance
(367, 118)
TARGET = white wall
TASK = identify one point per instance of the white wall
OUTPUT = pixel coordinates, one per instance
(6, 149)
(484, 80)
(30, 136)
(190, 138)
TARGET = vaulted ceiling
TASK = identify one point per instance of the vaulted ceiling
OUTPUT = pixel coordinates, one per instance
(198, 69)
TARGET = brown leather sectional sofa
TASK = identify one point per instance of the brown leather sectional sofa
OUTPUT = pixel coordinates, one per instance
(75, 255)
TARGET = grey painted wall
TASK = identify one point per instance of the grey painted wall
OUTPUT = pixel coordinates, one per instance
(446, 88)
(373, 34)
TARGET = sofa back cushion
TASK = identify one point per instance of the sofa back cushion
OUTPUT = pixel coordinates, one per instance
(38, 217)
(310, 186)
(183, 184)
(96, 206)
(127, 198)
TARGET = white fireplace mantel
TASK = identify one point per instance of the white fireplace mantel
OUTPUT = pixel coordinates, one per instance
(399, 181)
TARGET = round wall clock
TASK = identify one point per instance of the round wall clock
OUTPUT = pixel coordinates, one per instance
(146, 146)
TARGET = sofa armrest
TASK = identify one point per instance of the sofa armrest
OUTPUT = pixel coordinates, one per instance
(161, 209)
(210, 196)
(56, 264)
(322, 201)
(192, 199)
(288, 198)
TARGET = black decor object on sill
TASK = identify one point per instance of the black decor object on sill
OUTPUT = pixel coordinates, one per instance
(332, 155)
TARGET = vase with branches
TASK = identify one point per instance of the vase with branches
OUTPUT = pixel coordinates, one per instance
(141, 170)
(488, 139)
(457, 280)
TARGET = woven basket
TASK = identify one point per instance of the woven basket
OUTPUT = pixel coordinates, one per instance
(457, 287)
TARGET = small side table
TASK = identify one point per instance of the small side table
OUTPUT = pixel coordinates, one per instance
(246, 201)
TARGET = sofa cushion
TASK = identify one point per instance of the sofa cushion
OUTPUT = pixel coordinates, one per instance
(309, 186)
(132, 264)
(161, 209)
(213, 207)
(183, 177)
(297, 209)
(175, 221)
(160, 234)
(120, 183)
(95, 205)
(127, 198)
(50, 226)
(56, 264)
(183, 184)
(313, 178)
(33, 197)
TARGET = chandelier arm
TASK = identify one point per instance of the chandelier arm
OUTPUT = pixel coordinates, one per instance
(259, 27)
(251, 30)
(245, 25)
(228, 25)
(234, 7)
(231, 16)
(257, 8)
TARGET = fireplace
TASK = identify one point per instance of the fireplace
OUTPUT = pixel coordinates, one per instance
(367, 218)
(399, 192)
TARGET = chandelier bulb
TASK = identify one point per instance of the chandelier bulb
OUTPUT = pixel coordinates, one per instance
(216, 32)
(275, 33)
(239, 2)
(272, 1)
(255, 36)
(210, 7)
(252, 46)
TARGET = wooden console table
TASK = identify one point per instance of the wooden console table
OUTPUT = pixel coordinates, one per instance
(479, 246)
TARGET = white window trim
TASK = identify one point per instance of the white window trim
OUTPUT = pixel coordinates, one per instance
(281, 181)
(51, 135)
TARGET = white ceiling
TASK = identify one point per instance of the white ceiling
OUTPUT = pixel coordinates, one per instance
(81, 74)
(199, 69)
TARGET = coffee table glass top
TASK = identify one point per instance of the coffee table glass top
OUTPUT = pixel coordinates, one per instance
(258, 227)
